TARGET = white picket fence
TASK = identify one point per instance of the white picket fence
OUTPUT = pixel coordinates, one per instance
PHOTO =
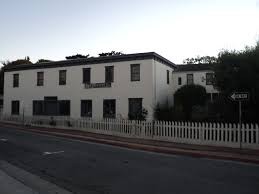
(212, 134)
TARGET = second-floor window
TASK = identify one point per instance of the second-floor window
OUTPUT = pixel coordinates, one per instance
(189, 79)
(109, 74)
(179, 81)
(167, 76)
(135, 72)
(87, 75)
(40, 78)
(16, 80)
(209, 78)
(62, 77)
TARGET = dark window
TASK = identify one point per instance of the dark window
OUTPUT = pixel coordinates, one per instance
(109, 108)
(167, 77)
(87, 75)
(15, 107)
(16, 80)
(40, 78)
(51, 106)
(38, 107)
(86, 108)
(62, 77)
(209, 78)
(189, 79)
(64, 107)
(135, 108)
(109, 74)
(179, 81)
(135, 72)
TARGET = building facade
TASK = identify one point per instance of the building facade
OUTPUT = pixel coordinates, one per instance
(199, 74)
(97, 87)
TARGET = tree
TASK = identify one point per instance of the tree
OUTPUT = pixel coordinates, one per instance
(201, 60)
(189, 96)
(43, 61)
(239, 71)
(112, 53)
(78, 56)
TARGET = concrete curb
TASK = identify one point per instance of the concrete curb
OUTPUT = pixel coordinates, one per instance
(31, 182)
(151, 148)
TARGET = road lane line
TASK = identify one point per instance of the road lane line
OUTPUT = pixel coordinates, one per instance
(51, 153)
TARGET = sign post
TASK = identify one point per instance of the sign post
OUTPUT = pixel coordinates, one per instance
(240, 96)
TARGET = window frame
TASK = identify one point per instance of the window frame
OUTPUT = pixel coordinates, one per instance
(167, 76)
(16, 80)
(188, 80)
(134, 76)
(40, 81)
(86, 81)
(62, 80)
(105, 115)
(179, 81)
(209, 82)
(13, 107)
(132, 114)
(107, 79)
(87, 114)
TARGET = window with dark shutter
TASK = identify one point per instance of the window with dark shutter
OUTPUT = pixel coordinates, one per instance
(40, 78)
(135, 108)
(87, 75)
(62, 77)
(15, 107)
(16, 80)
(179, 81)
(38, 107)
(109, 108)
(109, 74)
(135, 72)
(64, 107)
(86, 108)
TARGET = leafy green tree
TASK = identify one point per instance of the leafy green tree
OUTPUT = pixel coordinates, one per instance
(189, 96)
(239, 71)
(201, 60)
(112, 53)
(78, 56)
(43, 61)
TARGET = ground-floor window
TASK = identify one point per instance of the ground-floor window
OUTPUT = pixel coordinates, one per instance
(109, 108)
(51, 107)
(86, 108)
(135, 108)
(15, 107)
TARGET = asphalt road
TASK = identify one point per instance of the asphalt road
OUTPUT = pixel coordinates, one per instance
(84, 167)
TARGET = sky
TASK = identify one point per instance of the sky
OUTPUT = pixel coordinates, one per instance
(54, 29)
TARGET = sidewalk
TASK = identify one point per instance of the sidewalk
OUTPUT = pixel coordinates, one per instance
(14, 180)
(224, 153)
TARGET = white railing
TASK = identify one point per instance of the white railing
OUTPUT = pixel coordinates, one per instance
(212, 134)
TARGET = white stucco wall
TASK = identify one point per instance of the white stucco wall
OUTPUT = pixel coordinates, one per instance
(74, 90)
(163, 91)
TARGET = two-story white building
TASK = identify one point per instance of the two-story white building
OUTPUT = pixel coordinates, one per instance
(97, 87)
(200, 74)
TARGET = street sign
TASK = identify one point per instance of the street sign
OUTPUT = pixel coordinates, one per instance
(239, 96)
